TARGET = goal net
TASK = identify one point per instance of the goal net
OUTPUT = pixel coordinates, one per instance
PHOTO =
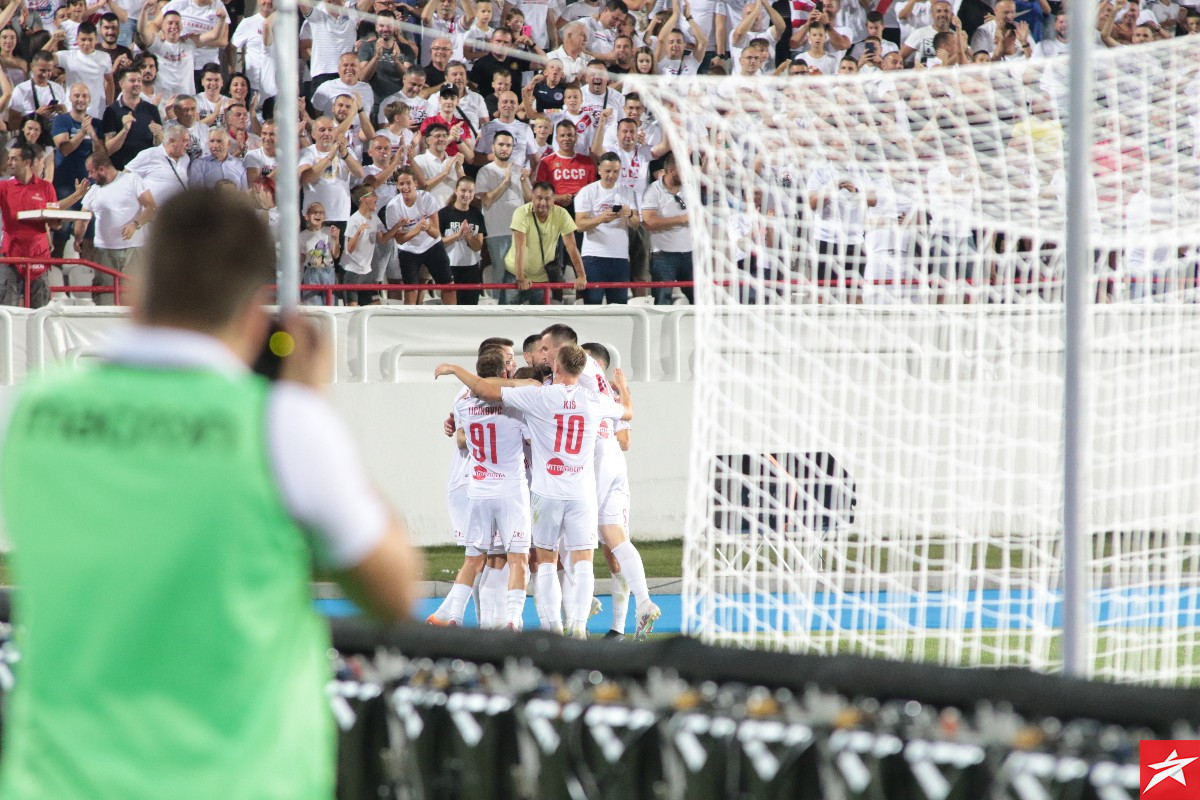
(877, 458)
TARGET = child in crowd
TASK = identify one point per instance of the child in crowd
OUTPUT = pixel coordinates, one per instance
(320, 248)
(363, 232)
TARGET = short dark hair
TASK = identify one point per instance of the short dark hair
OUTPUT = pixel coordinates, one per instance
(121, 73)
(434, 127)
(563, 334)
(40, 56)
(598, 352)
(194, 279)
(874, 16)
(544, 186)
(490, 364)
(616, 5)
(210, 67)
(498, 134)
(86, 27)
(494, 341)
(530, 341)
(609, 156)
(565, 123)
(25, 152)
(525, 373)
(109, 16)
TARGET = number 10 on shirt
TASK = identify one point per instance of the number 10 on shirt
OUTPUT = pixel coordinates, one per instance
(574, 433)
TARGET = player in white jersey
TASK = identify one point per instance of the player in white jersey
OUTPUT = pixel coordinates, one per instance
(470, 577)
(612, 492)
(498, 495)
(563, 421)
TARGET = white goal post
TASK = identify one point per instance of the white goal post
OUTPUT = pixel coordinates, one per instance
(877, 454)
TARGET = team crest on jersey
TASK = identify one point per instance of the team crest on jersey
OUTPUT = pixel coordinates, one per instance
(555, 466)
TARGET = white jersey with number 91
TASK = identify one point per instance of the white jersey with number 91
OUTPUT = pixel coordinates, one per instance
(495, 447)
(563, 422)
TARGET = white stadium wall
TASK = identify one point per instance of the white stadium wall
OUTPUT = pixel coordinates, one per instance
(916, 392)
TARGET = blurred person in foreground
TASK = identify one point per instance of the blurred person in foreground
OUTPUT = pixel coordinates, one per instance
(168, 639)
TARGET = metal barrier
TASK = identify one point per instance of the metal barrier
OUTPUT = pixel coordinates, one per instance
(114, 290)
(42, 317)
(33, 339)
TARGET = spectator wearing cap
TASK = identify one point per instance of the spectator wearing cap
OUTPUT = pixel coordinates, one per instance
(130, 124)
(471, 107)
(461, 134)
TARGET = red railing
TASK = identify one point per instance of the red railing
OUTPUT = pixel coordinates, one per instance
(114, 290)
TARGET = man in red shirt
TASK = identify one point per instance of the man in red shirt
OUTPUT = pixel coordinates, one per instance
(567, 173)
(24, 238)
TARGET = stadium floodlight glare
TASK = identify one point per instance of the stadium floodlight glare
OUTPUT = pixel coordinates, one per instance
(878, 448)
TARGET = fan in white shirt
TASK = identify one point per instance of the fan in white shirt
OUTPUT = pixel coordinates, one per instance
(670, 51)
(612, 487)
(88, 66)
(164, 169)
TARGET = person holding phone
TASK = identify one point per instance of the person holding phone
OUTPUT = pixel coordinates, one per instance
(185, 652)
(38, 95)
(604, 211)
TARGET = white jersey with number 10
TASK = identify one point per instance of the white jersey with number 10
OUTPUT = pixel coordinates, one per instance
(495, 446)
(593, 378)
(563, 423)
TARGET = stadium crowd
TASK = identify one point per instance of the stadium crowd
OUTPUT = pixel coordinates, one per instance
(459, 141)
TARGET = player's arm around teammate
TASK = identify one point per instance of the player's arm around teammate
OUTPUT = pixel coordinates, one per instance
(484, 388)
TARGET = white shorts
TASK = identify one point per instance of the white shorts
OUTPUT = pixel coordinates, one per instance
(614, 502)
(574, 520)
(498, 524)
(456, 499)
